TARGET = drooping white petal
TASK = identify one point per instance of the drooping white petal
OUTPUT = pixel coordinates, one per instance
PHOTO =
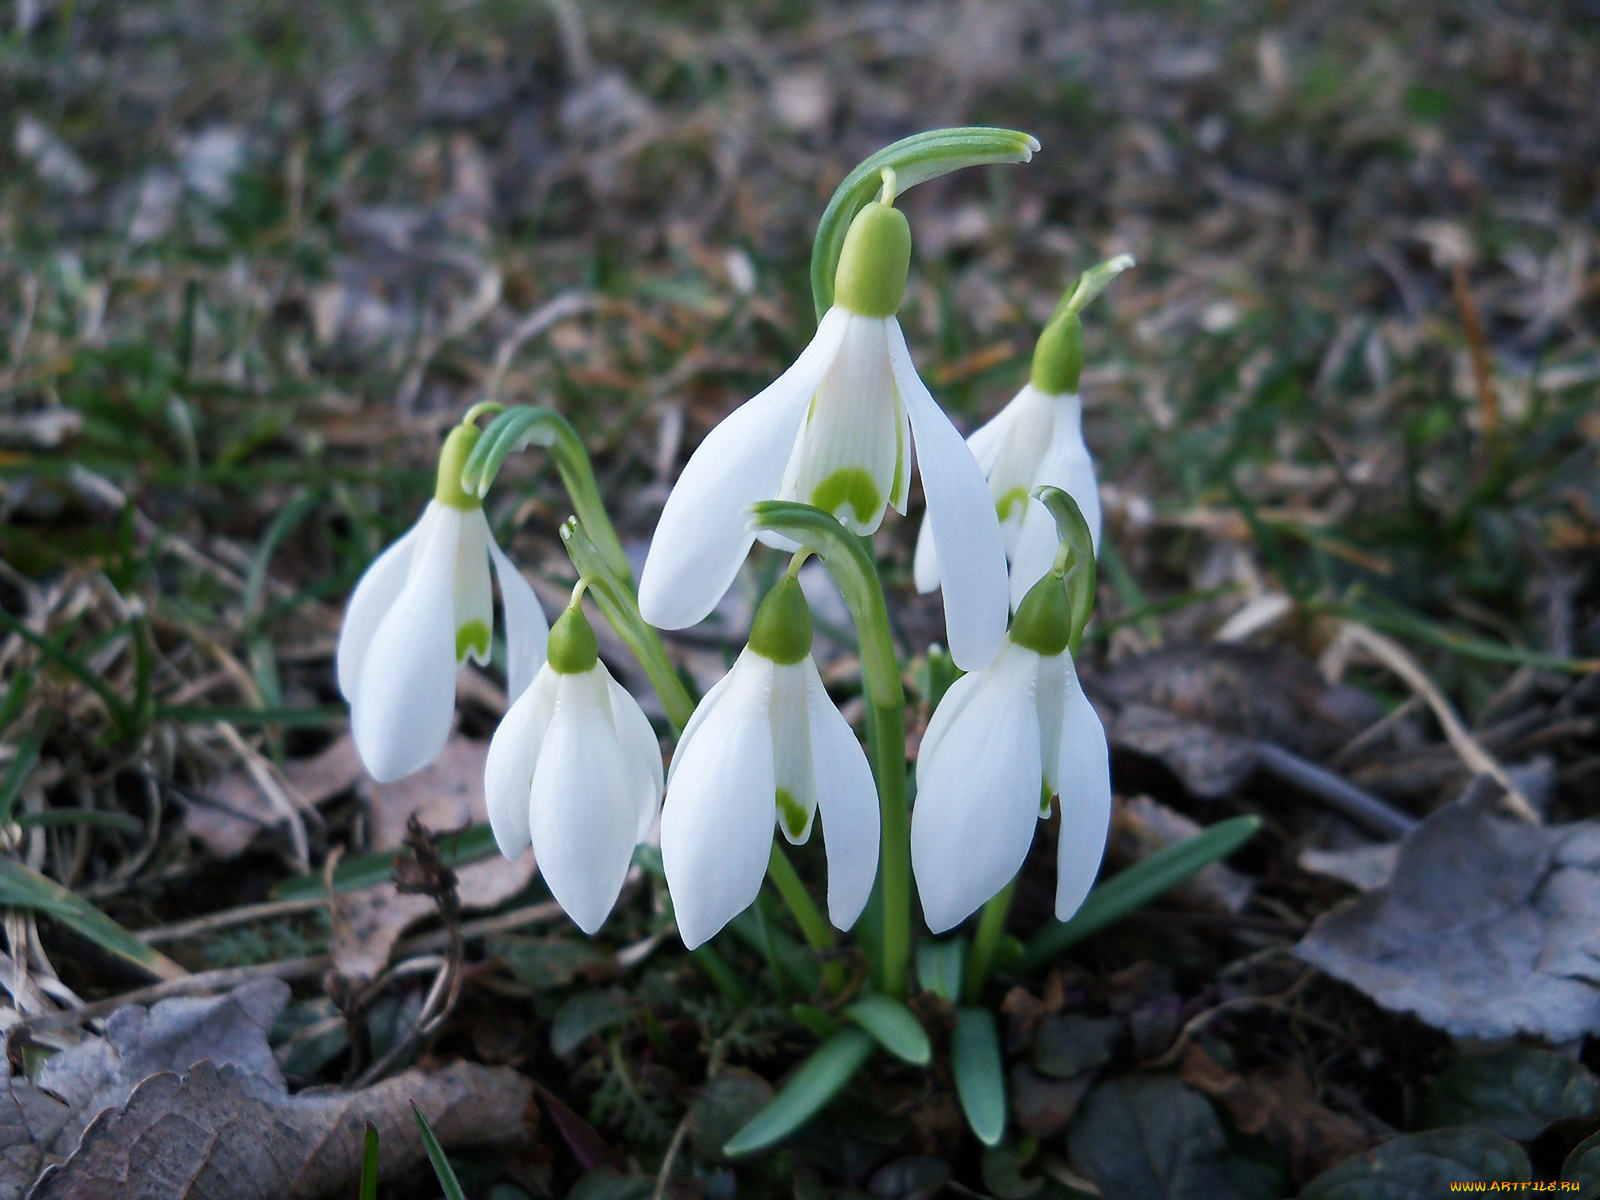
(527, 630)
(1085, 788)
(1051, 698)
(985, 443)
(845, 456)
(716, 825)
(375, 591)
(1015, 466)
(513, 753)
(956, 697)
(794, 777)
(849, 803)
(701, 540)
(708, 705)
(474, 601)
(405, 696)
(978, 795)
(582, 814)
(1067, 466)
(966, 531)
(641, 752)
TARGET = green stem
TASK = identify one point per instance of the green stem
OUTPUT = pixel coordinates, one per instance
(991, 927)
(814, 926)
(894, 815)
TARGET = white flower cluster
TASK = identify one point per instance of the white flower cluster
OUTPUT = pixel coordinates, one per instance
(575, 769)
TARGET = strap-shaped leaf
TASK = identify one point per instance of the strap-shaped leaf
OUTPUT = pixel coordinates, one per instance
(914, 160)
(817, 1081)
(894, 1025)
(441, 1165)
(941, 965)
(1135, 887)
(23, 887)
(979, 1072)
(848, 561)
(530, 425)
(369, 1164)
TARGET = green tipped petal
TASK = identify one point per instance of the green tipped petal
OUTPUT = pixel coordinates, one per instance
(851, 487)
(781, 631)
(453, 457)
(871, 279)
(473, 636)
(573, 648)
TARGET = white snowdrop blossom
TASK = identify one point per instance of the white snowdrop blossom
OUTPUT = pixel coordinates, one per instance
(574, 770)
(421, 610)
(837, 430)
(1000, 744)
(1035, 439)
(766, 745)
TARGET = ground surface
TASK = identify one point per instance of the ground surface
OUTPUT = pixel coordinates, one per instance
(254, 257)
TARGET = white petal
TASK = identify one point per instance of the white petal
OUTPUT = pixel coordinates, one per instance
(1068, 467)
(792, 768)
(708, 704)
(513, 753)
(978, 796)
(702, 538)
(527, 630)
(1051, 698)
(925, 563)
(406, 694)
(1085, 788)
(849, 804)
(966, 531)
(474, 599)
(641, 752)
(582, 814)
(956, 697)
(852, 426)
(1015, 460)
(375, 591)
(716, 825)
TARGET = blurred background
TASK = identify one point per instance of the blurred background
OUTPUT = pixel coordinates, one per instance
(256, 257)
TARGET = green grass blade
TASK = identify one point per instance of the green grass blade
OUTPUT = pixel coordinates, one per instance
(818, 1080)
(22, 887)
(120, 822)
(288, 718)
(894, 1026)
(979, 1072)
(369, 1164)
(364, 870)
(1137, 886)
(21, 767)
(441, 1164)
(941, 965)
(916, 159)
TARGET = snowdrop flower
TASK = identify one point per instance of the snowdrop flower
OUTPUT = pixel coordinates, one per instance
(1000, 744)
(1037, 439)
(766, 744)
(836, 430)
(421, 610)
(575, 771)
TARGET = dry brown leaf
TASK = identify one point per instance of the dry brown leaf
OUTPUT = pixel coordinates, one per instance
(1141, 827)
(239, 811)
(1278, 1104)
(447, 794)
(220, 1133)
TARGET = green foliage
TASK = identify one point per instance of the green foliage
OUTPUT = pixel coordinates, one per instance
(1423, 1164)
(1518, 1092)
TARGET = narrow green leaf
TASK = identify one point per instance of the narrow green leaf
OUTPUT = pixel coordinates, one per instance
(941, 966)
(23, 887)
(980, 1074)
(1135, 887)
(817, 1081)
(894, 1025)
(369, 1164)
(441, 1164)
(914, 160)
(818, 1024)
(289, 718)
(21, 767)
(119, 821)
(364, 870)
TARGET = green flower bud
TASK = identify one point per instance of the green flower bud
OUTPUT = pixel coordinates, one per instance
(782, 628)
(871, 279)
(1058, 355)
(573, 648)
(1043, 622)
(452, 460)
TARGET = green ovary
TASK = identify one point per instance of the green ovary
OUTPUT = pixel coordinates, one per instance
(1010, 500)
(849, 486)
(473, 636)
(792, 813)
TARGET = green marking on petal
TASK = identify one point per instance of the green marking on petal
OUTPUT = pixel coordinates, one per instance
(1009, 501)
(1045, 795)
(792, 813)
(850, 486)
(473, 636)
